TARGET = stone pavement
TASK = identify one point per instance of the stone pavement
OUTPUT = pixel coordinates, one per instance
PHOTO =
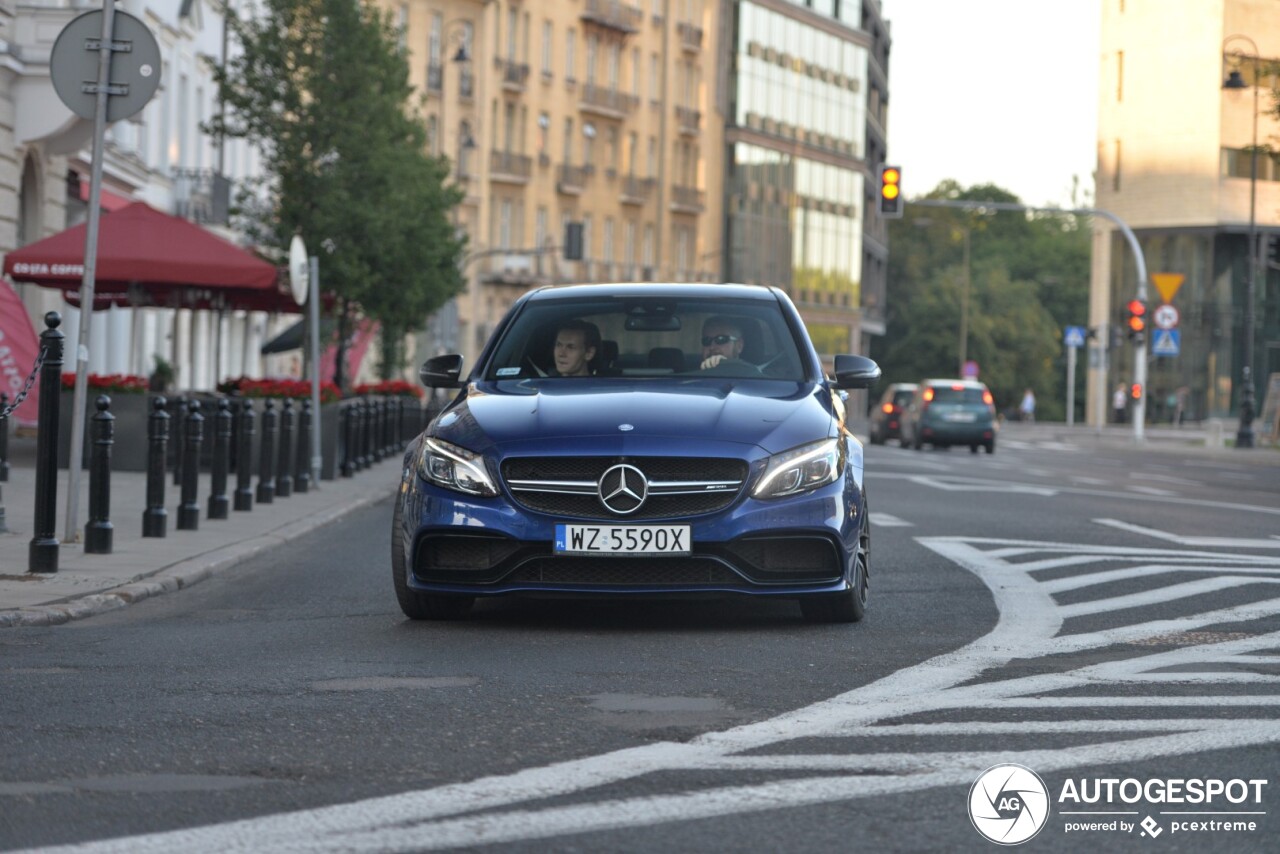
(138, 568)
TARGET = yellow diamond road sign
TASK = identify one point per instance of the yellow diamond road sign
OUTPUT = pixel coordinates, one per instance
(1167, 284)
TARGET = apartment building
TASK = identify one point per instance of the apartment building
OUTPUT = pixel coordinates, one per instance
(1174, 162)
(593, 112)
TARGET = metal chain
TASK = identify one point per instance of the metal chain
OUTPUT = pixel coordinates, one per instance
(26, 387)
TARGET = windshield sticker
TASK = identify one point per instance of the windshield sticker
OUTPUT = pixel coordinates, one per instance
(508, 372)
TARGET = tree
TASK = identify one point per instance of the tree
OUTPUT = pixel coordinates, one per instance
(1029, 278)
(321, 89)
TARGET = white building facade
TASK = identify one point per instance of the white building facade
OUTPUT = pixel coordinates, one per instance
(159, 156)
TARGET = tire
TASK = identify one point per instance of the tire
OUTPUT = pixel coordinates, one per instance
(415, 605)
(991, 447)
(973, 449)
(851, 605)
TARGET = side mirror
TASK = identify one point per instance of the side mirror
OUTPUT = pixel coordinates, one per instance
(856, 372)
(441, 371)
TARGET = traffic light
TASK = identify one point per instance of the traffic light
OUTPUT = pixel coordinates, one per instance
(1135, 391)
(890, 192)
(1137, 320)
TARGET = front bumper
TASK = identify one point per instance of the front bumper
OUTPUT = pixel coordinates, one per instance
(487, 547)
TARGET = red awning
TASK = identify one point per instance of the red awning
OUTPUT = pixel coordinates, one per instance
(107, 200)
(146, 257)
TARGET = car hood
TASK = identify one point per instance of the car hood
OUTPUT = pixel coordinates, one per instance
(613, 416)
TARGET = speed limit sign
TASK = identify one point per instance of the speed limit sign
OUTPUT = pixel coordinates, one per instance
(1165, 317)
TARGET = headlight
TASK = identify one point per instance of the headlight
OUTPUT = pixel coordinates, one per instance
(454, 468)
(801, 469)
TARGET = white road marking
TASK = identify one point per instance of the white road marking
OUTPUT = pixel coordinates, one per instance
(968, 682)
(973, 484)
(886, 520)
(1151, 490)
(1272, 542)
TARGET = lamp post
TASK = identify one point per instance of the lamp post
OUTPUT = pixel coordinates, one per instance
(964, 304)
(1244, 436)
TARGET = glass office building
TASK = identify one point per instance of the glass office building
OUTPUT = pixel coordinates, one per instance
(807, 96)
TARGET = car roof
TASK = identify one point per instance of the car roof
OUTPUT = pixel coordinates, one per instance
(960, 382)
(677, 290)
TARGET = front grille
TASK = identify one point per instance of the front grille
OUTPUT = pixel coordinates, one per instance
(626, 571)
(474, 558)
(537, 484)
(780, 559)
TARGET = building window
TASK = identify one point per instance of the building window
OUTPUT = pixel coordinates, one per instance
(513, 32)
(636, 71)
(646, 247)
(1119, 76)
(653, 78)
(540, 236)
(568, 141)
(591, 61)
(569, 45)
(504, 224)
(433, 136)
(652, 171)
(544, 134)
(608, 240)
(615, 61)
(434, 38)
(547, 36)
(1115, 175)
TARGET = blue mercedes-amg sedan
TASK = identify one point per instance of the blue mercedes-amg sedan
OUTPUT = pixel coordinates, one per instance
(639, 440)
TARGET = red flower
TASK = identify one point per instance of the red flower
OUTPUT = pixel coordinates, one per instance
(109, 383)
(394, 388)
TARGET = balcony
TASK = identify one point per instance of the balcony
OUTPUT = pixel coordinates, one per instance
(688, 199)
(609, 103)
(521, 269)
(636, 191)
(613, 15)
(510, 168)
(202, 196)
(688, 121)
(690, 37)
(514, 74)
(572, 180)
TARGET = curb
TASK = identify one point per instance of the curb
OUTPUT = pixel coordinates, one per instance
(180, 575)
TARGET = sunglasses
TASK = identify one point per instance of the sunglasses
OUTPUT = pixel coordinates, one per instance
(708, 340)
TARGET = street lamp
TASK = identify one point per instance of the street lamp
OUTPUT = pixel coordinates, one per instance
(965, 230)
(1244, 436)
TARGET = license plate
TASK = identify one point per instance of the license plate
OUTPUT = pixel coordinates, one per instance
(960, 416)
(623, 539)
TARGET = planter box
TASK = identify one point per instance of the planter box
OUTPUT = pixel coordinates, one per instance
(129, 452)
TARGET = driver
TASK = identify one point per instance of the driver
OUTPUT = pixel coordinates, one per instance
(577, 342)
(721, 340)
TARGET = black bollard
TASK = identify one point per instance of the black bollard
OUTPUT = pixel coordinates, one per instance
(42, 554)
(4, 440)
(285, 455)
(155, 519)
(244, 458)
(267, 454)
(366, 412)
(379, 429)
(179, 424)
(397, 429)
(193, 437)
(97, 531)
(302, 481)
(221, 460)
(347, 424)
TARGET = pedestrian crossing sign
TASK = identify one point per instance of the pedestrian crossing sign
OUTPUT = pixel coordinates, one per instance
(1166, 342)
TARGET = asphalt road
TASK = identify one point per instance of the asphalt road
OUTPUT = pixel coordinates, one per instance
(1088, 613)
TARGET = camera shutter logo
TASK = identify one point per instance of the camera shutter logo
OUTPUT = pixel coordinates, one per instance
(1008, 804)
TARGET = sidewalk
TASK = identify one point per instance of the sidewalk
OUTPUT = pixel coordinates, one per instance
(138, 568)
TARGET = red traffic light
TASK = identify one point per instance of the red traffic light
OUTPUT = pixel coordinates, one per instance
(1135, 391)
(1137, 307)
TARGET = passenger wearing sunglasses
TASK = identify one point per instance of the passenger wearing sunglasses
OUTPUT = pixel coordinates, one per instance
(721, 340)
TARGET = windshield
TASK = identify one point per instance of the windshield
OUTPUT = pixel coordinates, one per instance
(647, 337)
(946, 394)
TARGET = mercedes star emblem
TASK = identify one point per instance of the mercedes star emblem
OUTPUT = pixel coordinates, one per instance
(623, 489)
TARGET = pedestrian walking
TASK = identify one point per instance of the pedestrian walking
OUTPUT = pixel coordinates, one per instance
(1118, 402)
(1027, 409)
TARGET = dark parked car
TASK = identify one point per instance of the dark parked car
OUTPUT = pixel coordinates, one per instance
(886, 416)
(654, 473)
(943, 413)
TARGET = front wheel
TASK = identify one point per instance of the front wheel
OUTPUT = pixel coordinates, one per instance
(851, 605)
(415, 605)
